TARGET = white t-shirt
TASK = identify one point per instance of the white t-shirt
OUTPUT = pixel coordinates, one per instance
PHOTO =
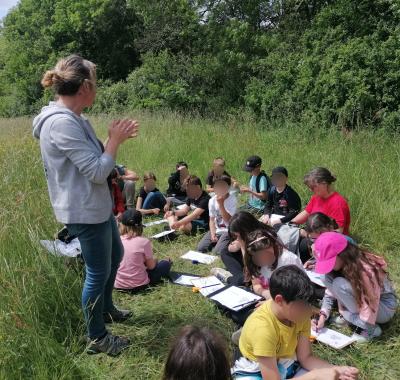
(286, 258)
(230, 205)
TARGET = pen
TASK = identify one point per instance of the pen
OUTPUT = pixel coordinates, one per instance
(245, 303)
(316, 324)
(207, 286)
(196, 289)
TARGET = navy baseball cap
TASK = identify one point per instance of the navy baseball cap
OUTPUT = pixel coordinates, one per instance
(252, 162)
(132, 218)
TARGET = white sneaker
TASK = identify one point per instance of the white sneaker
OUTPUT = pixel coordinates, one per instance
(221, 274)
(339, 321)
(363, 336)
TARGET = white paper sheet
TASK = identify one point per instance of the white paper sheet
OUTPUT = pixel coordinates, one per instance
(155, 222)
(316, 278)
(199, 257)
(332, 338)
(161, 234)
(276, 218)
(185, 280)
(207, 285)
(180, 207)
(59, 248)
(235, 298)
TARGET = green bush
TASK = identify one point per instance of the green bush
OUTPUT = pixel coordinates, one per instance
(328, 63)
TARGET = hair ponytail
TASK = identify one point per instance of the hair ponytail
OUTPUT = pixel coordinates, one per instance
(69, 74)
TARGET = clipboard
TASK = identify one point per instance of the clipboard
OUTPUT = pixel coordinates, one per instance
(242, 298)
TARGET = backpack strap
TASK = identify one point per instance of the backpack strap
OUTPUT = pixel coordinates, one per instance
(258, 179)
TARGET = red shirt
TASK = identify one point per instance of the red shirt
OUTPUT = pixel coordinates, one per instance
(118, 200)
(335, 206)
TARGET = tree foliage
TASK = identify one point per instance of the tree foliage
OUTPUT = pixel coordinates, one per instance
(334, 62)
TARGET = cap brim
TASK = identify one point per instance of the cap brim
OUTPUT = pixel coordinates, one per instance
(326, 266)
(248, 168)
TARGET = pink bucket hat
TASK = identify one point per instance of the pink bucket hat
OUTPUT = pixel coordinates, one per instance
(327, 247)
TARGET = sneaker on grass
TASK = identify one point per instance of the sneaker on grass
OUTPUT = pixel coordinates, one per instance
(116, 315)
(221, 274)
(366, 335)
(339, 321)
(111, 345)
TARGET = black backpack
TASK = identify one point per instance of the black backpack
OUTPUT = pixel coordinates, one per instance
(258, 179)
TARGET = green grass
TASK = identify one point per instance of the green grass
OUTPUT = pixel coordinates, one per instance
(40, 318)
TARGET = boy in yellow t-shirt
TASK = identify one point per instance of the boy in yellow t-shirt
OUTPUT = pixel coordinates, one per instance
(275, 338)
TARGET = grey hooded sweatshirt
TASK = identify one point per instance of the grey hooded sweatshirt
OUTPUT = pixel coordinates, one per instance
(76, 169)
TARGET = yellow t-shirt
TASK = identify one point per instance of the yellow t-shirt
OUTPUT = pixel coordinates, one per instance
(264, 335)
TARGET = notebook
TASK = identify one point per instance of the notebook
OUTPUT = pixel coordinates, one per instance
(276, 218)
(155, 222)
(184, 279)
(235, 298)
(59, 248)
(207, 285)
(161, 234)
(333, 338)
(199, 257)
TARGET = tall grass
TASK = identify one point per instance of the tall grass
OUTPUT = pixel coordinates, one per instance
(40, 318)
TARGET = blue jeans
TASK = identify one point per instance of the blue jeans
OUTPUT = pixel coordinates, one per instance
(154, 199)
(102, 251)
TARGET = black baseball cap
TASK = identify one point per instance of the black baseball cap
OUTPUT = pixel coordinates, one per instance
(132, 218)
(280, 170)
(252, 162)
(181, 163)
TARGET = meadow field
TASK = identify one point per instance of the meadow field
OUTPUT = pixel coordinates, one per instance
(41, 325)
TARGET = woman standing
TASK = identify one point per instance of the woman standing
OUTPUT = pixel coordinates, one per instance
(77, 168)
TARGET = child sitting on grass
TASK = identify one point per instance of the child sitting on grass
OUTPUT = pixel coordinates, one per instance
(218, 170)
(318, 223)
(197, 201)
(275, 338)
(264, 254)
(138, 268)
(116, 195)
(358, 281)
(197, 353)
(221, 207)
(282, 199)
(150, 199)
(259, 185)
(176, 192)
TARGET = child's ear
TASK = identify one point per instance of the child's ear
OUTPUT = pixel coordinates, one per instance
(279, 299)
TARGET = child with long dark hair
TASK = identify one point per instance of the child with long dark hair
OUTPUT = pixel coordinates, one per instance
(240, 225)
(263, 254)
(197, 353)
(357, 279)
(318, 223)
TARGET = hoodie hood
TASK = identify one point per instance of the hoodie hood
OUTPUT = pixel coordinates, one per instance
(52, 109)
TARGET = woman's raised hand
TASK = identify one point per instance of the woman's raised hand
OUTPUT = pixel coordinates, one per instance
(121, 130)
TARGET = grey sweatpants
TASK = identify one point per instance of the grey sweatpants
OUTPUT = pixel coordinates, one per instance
(343, 292)
(129, 193)
(206, 245)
